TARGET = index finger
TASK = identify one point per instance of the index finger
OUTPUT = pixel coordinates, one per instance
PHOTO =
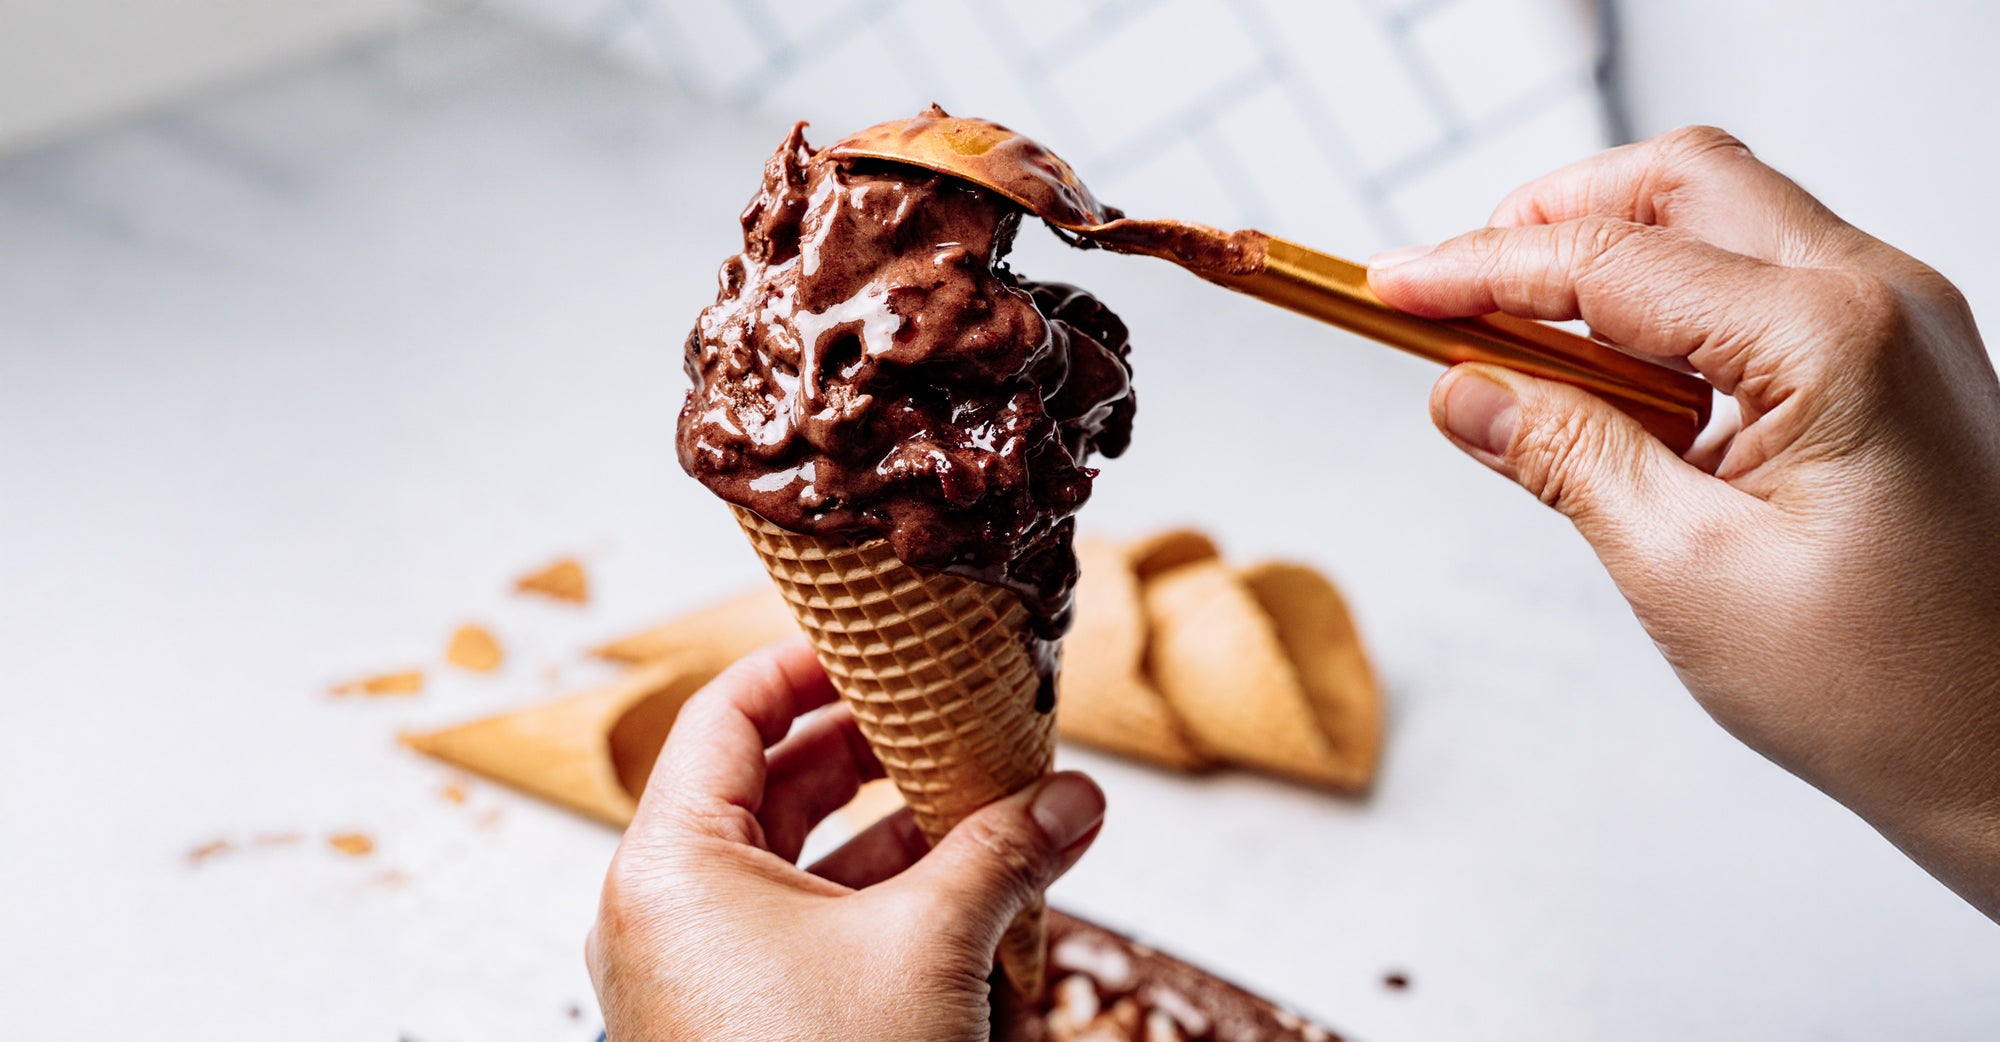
(1656, 291)
(711, 770)
(1699, 180)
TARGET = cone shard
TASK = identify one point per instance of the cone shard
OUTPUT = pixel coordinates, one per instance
(720, 633)
(590, 752)
(1318, 635)
(1220, 662)
(1104, 698)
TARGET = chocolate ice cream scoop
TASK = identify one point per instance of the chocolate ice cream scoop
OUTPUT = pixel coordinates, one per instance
(871, 368)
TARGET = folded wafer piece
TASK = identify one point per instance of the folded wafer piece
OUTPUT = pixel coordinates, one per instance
(1259, 667)
(590, 752)
(1104, 697)
(722, 632)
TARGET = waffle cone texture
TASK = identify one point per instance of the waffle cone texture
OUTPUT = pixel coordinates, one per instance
(938, 675)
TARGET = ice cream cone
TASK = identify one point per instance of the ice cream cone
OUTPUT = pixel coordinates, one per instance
(939, 676)
(590, 752)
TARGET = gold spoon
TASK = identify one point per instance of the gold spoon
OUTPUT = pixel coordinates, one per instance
(1673, 405)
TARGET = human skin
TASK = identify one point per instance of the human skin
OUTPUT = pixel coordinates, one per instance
(708, 929)
(1823, 570)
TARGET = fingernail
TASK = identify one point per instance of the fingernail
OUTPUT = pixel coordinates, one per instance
(1067, 808)
(1481, 411)
(1400, 255)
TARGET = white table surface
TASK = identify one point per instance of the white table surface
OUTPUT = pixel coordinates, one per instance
(295, 378)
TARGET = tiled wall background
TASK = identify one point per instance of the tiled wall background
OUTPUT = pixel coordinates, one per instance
(1350, 124)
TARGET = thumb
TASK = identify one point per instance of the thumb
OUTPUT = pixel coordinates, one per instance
(1569, 448)
(996, 862)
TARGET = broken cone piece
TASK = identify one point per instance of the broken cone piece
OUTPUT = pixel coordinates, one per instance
(590, 752)
(1318, 636)
(407, 682)
(1223, 663)
(474, 647)
(722, 632)
(1182, 661)
(1104, 698)
(563, 580)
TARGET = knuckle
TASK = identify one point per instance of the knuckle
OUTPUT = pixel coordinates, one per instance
(641, 891)
(1864, 318)
(1590, 241)
(1699, 141)
(1557, 455)
(622, 904)
(1016, 856)
(1602, 253)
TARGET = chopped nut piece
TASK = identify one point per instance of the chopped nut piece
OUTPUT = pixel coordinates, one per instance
(1178, 1006)
(1074, 1008)
(1160, 1027)
(1108, 966)
(473, 647)
(564, 580)
(408, 682)
(1120, 1023)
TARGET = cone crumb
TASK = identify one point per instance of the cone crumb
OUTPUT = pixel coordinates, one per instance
(200, 855)
(474, 647)
(353, 844)
(564, 580)
(408, 682)
(454, 792)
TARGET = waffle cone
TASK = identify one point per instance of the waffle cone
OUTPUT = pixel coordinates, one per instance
(939, 677)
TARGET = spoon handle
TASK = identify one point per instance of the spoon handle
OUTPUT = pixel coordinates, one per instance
(1673, 405)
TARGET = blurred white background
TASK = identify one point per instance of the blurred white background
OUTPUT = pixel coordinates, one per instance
(319, 321)
(1868, 104)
